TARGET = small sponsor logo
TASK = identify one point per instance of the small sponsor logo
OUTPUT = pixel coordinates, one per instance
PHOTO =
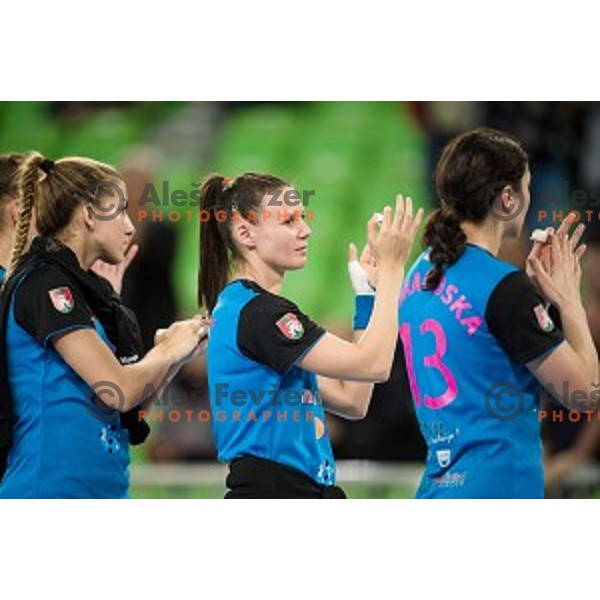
(443, 458)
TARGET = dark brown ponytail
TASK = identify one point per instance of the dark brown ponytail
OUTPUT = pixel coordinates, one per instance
(214, 255)
(447, 240)
(472, 171)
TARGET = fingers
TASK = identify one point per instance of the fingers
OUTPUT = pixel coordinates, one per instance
(407, 210)
(577, 235)
(546, 256)
(413, 228)
(200, 329)
(562, 231)
(366, 256)
(542, 277)
(535, 264)
(580, 251)
(417, 221)
(400, 222)
(409, 224)
(400, 210)
(197, 324)
(372, 230)
(536, 249)
(404, 211)
(186, 335)
(557, 246)
(203, 335)
(565, 249)
(352, 252)
(130, 255)
(387, 217)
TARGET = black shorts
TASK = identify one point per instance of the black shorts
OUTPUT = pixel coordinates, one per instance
(252, 477)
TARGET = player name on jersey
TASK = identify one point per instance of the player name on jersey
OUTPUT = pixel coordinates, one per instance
(450, 295)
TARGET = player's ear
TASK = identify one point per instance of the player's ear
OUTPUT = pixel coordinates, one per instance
(507, 199)
(87, 215)
(243, 234)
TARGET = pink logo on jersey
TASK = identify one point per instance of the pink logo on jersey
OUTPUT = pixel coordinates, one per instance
(290, 326)
(62, 299)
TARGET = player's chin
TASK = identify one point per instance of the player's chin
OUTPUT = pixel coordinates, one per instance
(114, 256)
(297, 263)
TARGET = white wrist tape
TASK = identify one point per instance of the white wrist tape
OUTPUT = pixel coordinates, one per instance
(359, 279)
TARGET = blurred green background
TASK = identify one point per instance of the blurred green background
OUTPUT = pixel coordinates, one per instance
(356, 156)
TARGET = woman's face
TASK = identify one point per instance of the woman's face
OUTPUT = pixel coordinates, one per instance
(280, 235)
(113, 229)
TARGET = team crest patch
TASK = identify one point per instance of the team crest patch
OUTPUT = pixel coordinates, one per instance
(290, 326)
(543, 318)
(62, 299)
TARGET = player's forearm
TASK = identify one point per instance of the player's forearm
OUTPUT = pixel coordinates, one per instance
(578, 335)
(379, 340)
(147, 377)
(350, 399)
(357, 394)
